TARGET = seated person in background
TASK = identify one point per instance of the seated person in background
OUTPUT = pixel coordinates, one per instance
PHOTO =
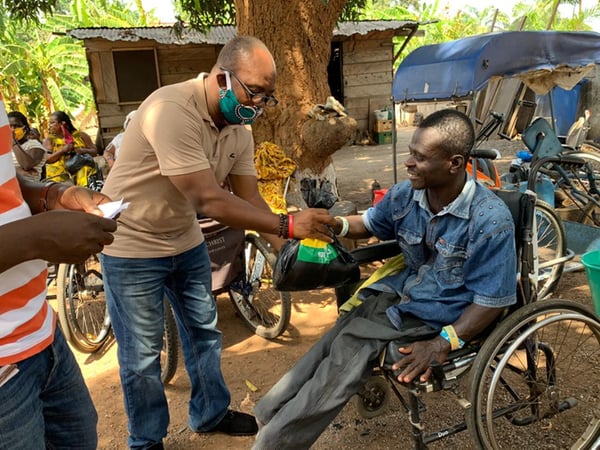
(457, 239)
(62, 143)
(28, 152)
(112, 149)
(34, 133)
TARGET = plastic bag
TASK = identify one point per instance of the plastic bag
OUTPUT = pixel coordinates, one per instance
(321, 196)
(313, 264)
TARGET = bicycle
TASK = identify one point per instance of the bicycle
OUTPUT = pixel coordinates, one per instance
(245, 273)
(575, 179)
(242, 266)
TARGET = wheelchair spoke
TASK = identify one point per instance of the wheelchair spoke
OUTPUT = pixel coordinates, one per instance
(538, 392)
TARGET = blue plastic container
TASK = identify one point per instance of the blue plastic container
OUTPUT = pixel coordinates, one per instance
(543, 188)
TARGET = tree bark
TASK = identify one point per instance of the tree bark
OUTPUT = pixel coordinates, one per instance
(300, 42)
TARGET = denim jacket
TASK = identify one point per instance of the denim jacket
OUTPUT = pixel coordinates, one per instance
(464, 254)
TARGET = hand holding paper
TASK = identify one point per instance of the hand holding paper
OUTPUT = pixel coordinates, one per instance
(112, 209)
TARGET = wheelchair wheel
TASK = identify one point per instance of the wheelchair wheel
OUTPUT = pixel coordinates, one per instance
(265, 310)
(82, 311)
(552, 245)
(373, 399)
(533, 383)
(169, 353)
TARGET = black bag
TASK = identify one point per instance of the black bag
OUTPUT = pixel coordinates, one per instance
(77, 162)
(321, 196)
(313, 264)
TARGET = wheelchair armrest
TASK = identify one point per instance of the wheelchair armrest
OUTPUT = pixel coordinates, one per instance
(375, 252)
(444, 376)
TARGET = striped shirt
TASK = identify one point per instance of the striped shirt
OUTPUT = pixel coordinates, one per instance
(26, 319)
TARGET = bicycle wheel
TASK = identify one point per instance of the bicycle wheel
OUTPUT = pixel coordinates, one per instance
(265, 310)
(552, 245)
(582, 193)
(82, 311)
(169, 353)
(530, 385)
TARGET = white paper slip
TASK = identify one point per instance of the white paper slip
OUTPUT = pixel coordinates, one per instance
(111, 209)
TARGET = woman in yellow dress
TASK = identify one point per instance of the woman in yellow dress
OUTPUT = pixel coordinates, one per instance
(63, 143)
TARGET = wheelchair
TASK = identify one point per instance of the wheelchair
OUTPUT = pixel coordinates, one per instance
(529, 381)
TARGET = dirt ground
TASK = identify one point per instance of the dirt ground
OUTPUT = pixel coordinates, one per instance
(250, 360)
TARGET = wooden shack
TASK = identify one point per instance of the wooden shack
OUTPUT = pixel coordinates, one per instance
(127, 64)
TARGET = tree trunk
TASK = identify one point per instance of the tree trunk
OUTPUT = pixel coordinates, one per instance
(299, 36)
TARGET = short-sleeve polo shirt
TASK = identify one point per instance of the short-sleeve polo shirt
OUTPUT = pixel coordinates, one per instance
(171, 134)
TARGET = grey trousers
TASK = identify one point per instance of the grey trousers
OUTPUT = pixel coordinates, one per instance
(302, 404)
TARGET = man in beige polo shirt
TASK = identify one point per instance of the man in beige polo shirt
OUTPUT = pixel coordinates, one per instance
(183, 142)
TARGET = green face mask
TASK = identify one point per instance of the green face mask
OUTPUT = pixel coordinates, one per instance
(235, 113)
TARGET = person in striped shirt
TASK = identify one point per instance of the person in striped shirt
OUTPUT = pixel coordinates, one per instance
(44, 400)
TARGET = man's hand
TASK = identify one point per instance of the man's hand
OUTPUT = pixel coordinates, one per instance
(78, 198)
(313, 223)
(71, 236)
(419, 357)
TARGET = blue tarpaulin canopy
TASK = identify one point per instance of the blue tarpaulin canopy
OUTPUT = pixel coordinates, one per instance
(457, 69)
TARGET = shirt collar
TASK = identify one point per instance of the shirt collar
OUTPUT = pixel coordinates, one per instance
(200, 96)
(459, 207)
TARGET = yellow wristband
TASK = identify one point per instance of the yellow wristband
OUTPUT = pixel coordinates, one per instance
(449, 333)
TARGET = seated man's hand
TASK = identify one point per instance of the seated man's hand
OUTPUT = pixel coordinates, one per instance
(418, 358)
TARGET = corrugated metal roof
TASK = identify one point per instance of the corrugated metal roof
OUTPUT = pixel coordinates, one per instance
(217, 35)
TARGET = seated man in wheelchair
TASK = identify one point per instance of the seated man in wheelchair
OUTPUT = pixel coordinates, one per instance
(457, 240)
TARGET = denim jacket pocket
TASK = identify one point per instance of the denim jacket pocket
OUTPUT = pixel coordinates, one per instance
(449, 264)
(412, 247)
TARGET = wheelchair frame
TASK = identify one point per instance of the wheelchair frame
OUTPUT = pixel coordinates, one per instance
(513, 351)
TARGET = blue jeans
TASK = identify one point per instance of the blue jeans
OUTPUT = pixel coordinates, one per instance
(135, 288)
(47, 404)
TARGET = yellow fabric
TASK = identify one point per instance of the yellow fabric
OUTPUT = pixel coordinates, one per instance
(273, 168)
(390, 267)
(315, 243)
(57, 171)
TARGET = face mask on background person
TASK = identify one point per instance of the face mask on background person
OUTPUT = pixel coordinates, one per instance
(235, 113)
(20, 133)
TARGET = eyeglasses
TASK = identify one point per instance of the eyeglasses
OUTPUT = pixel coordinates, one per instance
(256, 97)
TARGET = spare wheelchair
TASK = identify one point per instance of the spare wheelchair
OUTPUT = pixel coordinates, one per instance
(529, 381)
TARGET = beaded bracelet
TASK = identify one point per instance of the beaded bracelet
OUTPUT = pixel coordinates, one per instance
(283, 226)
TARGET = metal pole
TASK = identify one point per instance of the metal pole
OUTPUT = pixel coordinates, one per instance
(394, 139)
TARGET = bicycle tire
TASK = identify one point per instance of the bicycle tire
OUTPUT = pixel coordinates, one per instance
(552, 245)
(82, 311)
(263, 309)
(169, 354)
(589, 211)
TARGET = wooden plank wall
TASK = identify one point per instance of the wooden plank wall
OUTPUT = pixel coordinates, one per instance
(367, 72)
(175, 63)
(367, 75)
